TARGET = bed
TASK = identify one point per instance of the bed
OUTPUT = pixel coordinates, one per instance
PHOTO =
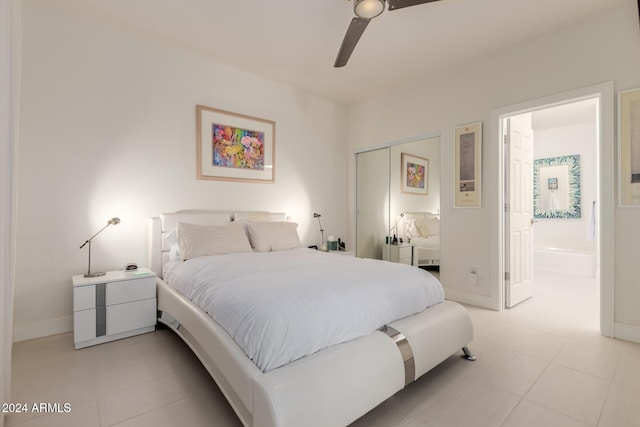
(333, 386)
(423, 231)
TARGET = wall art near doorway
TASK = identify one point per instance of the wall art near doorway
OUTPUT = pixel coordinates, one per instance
(468, 169)
(556, 187)
(629, 147)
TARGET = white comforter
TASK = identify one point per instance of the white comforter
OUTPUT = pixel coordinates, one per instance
(281, 306)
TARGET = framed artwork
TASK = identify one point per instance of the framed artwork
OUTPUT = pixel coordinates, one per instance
(629, 147)
(234, 147)
(415, 174)
(468, 168)
(557, 187)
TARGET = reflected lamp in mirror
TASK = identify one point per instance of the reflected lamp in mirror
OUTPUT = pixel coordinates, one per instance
(556, 187)
(393, 231)
(112, 221)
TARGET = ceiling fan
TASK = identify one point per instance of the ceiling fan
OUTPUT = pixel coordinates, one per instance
(365, 11)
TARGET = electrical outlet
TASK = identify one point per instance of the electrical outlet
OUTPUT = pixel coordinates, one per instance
(473, 278)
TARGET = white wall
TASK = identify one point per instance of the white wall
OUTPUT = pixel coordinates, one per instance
(580, 139)
(108, 129)
(9, 105)
(605, 48)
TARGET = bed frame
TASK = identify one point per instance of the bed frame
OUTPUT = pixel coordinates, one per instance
(332, 387)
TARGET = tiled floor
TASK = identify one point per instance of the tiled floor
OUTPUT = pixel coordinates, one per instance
(542, 363)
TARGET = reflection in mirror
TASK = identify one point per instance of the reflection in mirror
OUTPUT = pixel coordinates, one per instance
(556, 186)
(398, 219)
(372, 202)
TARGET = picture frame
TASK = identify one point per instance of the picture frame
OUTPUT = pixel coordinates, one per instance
(629, 148)
(414, 172)
(468, 167)
(557, 187)
(234, 147)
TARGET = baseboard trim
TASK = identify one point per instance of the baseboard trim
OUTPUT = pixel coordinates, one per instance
(626, 332)
(481, 301)
(43, 328)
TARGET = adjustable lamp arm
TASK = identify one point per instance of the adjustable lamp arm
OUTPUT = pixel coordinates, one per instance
(112, 221)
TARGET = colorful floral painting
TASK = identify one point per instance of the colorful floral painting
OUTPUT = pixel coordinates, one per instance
(237, 148)
(234, 147)
(415, 174)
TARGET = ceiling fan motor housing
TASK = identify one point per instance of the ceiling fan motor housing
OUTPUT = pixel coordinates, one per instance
(368, 9)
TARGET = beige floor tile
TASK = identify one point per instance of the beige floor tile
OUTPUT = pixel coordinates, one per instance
(622, 407)
(510, 370)
(530, 414)
(541, 345)
(468, 400)
(575, 394)
(84, 414)
(628, 372)
(141, 398)
(190, 412)
(386, 415)
(584, 356)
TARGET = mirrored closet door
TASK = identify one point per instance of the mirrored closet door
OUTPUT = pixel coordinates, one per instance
(398, 202)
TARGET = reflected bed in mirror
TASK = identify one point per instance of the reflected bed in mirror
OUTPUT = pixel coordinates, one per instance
(556, 187)
(422, 229)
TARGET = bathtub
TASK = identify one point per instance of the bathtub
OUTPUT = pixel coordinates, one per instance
(571, 261)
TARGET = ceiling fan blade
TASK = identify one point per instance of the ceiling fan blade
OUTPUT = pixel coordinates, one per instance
(400, 4)
(355, 30)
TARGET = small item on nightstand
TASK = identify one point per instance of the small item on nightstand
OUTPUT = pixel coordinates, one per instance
(341, 245)
(395, 240)
(332, 243)
(130, 267)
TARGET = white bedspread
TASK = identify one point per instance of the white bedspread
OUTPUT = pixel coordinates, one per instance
(281, 306)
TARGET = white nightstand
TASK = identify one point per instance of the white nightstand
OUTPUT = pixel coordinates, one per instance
(117, 305)
(344, 253)
(401, 253)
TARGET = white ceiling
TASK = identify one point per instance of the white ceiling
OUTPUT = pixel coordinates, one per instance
(573, 113)
(295, 42)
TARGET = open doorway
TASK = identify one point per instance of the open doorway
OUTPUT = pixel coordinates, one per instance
(551, 240)
(561, 215)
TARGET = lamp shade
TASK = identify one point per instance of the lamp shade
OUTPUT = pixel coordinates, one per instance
(368, 9)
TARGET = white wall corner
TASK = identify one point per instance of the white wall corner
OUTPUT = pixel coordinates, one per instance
(42, 328)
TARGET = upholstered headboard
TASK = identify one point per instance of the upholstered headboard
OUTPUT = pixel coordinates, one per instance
(160, 227)
(411, 217)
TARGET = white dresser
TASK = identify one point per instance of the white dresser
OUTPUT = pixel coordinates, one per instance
(117, 305)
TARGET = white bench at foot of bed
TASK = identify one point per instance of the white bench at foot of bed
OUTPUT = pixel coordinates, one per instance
(332, 387)
(336, 386)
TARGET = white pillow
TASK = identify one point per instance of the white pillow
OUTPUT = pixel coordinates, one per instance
(428, 226)
(411, 230)
(201, 240)
(174, 250)
(273, 236)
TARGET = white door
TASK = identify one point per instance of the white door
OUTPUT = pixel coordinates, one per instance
(519, 204)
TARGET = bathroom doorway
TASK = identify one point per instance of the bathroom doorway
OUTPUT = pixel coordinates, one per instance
(561, 218)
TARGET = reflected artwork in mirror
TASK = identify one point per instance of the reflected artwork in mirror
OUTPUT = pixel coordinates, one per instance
(556, 187)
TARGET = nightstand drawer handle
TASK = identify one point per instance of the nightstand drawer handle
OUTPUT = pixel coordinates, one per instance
(101, 309)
